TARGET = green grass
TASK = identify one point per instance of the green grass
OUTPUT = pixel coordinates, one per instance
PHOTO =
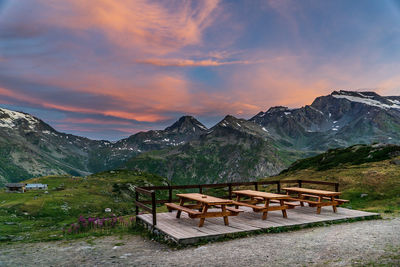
(36, 215)
(40, 216)
(371, 186)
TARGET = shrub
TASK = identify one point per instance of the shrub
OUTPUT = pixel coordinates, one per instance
(95, 223)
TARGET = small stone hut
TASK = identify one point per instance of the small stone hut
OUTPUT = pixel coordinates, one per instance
(15, 187)
(35, 186)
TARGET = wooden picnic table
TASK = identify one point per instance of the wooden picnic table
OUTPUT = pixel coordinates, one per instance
(200, 209)
(303, 195)
(262, 197)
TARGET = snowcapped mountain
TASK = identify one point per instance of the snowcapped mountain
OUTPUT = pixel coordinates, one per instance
(234, 149)
(338, 120)
(30, 147)
(185, 129)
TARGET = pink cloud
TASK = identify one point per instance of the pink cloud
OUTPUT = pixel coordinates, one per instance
(155, 28)
(189, 62)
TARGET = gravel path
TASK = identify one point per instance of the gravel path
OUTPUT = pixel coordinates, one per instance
(358, 243)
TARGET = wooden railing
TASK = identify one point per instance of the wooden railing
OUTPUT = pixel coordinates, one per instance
(150, 191)
(141, 204)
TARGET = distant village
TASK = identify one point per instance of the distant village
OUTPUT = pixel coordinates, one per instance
(21, 188)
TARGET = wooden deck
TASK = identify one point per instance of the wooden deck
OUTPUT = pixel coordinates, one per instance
(186, 231)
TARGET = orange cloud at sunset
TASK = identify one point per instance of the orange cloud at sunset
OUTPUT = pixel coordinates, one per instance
(144, 63)
(153, 27)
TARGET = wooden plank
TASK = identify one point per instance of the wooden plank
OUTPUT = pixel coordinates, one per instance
(265, 195)
(234, 210)
(210, 200)
(139, 204)
(238, 203)
(289, 204)
(143, 191)
(211, 214)
(182, 208)
(311, 191)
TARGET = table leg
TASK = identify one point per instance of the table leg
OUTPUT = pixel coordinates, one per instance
(200, 205)
(204, 211)
(265, 213)
(238, 200)
(283, 211)
(301, 197)
(181, 202)
(333, 206)
(319, 206)
(223, 207)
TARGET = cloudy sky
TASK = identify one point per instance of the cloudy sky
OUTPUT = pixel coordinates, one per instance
(106, 69)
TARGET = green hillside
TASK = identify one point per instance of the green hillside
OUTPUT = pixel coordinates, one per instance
(36, 215)
(369, 176)
(353, 155)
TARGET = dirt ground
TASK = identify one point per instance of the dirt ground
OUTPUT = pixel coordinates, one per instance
(367, 242)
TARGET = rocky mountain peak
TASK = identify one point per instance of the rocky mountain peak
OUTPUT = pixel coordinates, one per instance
(364, 94)
(229, 121)
(277, 109)
(186, 124)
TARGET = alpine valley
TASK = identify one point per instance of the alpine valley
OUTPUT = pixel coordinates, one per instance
(188, 152)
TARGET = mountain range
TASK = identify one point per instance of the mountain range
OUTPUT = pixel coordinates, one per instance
(189, 152)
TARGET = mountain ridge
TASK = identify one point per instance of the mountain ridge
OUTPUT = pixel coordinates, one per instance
(30, 147)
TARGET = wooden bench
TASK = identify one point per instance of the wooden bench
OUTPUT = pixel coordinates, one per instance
(258, 197)
(304, 194)
(200, 209)
(245, 204)
(340, 201)
(287, 203)
(189, 211)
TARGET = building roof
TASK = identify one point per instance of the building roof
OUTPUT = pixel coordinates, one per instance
(15, 185)
(36, 185)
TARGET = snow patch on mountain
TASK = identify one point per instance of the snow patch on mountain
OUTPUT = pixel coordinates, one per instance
(394, 101)
(317, 110)
(368, 101)
(201, 126)
(13, 116)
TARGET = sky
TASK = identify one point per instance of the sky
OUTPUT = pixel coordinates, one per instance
(107, 69)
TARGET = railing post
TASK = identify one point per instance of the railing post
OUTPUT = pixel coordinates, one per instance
(278, 187)
(256, 186)
(137, 200)
(169, 194)
(154, 207)
(299, 182)
(337, 187)
(200, 189)
(230, 190)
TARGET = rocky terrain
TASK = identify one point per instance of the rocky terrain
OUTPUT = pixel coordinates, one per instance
(363, 243)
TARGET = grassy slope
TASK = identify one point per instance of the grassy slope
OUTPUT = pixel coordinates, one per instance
(38, 216)
(380, 180)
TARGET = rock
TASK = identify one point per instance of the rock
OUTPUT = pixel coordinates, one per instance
(46, 192)
(10, 223)
(107, 210)
(363, 195)
(112, 171)
(18, 238)
(395, 161)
